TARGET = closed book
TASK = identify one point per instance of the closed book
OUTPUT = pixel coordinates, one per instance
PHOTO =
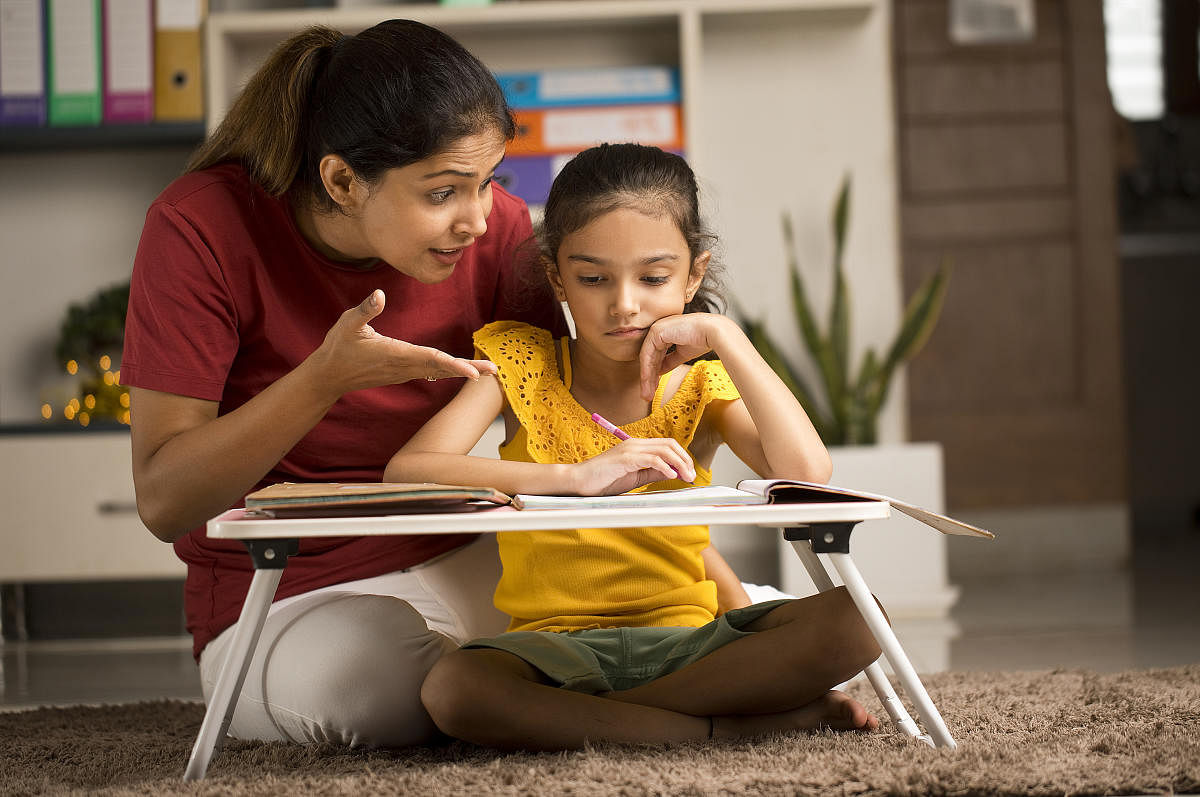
(75, 67)
(128, 61)
(557, 130)
(343, 499)
(178, 65)
(22, 63)
(616, 85)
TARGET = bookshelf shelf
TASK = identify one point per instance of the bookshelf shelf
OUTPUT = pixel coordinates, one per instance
(58, 139)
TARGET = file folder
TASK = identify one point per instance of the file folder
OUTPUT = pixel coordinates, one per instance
(178, 66)
(128, 61)
(74, 62)
(22, 63)
(617, 85)
(554, 130)
(530, 176)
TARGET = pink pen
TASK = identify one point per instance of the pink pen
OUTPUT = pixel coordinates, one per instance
(608, 425)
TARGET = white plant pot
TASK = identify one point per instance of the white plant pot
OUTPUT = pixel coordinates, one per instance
(902, 560)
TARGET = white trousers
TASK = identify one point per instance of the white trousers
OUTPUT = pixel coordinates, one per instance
(344, 663)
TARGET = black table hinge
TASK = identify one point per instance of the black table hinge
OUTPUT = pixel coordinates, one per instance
(825, 537)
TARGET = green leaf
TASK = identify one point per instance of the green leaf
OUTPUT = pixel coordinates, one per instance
(920, 317)
(771, 354)
(805, 319)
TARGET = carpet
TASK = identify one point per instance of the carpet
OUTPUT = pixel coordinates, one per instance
(1019, 733)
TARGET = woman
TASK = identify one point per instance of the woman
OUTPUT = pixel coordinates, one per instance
(351, 172)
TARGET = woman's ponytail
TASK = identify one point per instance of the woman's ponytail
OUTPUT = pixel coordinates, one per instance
(265, 126)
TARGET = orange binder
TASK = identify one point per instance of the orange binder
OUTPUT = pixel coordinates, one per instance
(555, 130)
(178, 66)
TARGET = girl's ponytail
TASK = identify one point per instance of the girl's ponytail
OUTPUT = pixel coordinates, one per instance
(265, 127)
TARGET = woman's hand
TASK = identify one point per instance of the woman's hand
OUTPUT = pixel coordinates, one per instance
(354, 356)
(631, 464)
(675, 339)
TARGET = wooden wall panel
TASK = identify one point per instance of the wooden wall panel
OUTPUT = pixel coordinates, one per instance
(983, 88)
(1006, 169)
(981, 157)
(1006, 301)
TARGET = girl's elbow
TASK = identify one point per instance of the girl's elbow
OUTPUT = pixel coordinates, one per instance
(822, 468)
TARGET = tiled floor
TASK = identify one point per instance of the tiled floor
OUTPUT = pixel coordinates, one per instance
(1145, 616)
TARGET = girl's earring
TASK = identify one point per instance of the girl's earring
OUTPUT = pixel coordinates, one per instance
(570, 319)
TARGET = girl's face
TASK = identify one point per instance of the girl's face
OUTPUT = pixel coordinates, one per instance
(619, 274)
(421, 218)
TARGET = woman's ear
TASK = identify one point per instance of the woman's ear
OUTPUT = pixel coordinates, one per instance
(696, 275)
(340, 181)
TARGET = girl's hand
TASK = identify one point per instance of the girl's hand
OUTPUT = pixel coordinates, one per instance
(354, 356)
(675, 339)
(630, 464)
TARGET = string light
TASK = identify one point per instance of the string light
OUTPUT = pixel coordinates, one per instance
(101, 395)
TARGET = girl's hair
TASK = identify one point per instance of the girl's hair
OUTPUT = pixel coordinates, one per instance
(392, 95)
(647, 179)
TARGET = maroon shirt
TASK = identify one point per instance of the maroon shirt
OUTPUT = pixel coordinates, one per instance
(227, 297)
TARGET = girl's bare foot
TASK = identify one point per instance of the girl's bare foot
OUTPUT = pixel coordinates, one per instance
(834, 710)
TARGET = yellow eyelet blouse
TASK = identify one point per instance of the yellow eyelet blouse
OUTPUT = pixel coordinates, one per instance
(596, 578)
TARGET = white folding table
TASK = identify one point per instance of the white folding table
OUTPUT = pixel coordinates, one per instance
(813, 528)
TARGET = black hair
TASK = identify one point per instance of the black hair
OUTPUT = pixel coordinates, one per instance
(648, 179)
(394, 94)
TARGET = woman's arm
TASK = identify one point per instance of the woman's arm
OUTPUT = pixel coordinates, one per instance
(730, 592)
(438, 452)
(189, 464)
(767, 428)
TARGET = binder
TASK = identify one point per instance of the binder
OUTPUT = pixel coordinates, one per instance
(22, 63)
(128, 61)
(178, 66)
(74, 62)
(530, 176)
(617, 85)
(557, 130)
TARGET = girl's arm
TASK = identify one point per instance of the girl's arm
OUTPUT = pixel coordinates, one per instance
(438, 453)
(730, 592)
(767, 428)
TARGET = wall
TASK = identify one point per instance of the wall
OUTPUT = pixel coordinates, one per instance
(69, 222)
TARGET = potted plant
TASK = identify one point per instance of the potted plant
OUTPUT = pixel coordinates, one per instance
(846, 412)
(904, 563)
(89, 348)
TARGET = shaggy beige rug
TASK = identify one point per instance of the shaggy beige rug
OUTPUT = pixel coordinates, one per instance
(1026, 733)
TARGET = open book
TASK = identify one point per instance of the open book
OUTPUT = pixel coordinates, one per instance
(749, 491)
(340, 499)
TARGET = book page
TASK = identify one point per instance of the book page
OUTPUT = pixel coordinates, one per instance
(716, 495)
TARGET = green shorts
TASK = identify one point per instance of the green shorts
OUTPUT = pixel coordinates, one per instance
(610, 659)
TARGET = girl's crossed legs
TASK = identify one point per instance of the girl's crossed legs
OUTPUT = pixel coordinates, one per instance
(777, 678)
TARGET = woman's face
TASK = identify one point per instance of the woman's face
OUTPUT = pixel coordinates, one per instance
(619, 274)
(421, 218)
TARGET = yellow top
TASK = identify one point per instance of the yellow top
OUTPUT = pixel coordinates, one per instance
(596, 578)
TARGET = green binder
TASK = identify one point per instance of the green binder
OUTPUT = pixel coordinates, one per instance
(74, 63)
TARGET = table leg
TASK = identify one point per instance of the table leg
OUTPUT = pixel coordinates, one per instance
(233, 671)
(879, 680)
(879, 626)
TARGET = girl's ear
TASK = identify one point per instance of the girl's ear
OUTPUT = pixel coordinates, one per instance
(555, 280)
(341, 182)
(696, 275)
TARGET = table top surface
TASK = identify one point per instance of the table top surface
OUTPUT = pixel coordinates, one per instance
(237, 524)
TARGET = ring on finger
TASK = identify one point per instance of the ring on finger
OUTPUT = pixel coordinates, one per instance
(431, 379)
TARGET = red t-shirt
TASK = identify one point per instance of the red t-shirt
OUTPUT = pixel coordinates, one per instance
(227, 296)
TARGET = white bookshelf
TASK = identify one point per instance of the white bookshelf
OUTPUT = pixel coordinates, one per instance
(780, 99)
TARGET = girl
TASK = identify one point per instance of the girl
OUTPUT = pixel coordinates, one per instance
(632, 635)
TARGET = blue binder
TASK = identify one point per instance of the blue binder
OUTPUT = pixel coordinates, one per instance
(613, 85)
